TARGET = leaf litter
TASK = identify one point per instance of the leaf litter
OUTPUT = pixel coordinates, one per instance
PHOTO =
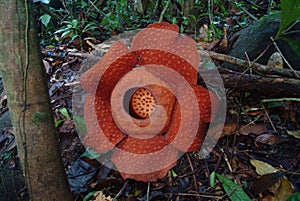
(269, 135)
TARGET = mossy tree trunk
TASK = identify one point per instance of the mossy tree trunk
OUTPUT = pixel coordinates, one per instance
(24, 80)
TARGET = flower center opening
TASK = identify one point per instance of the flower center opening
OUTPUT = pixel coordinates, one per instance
(142, 103)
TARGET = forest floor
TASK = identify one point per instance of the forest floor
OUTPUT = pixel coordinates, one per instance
(259, 148)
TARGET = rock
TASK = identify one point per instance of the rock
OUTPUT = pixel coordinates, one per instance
(255, 38)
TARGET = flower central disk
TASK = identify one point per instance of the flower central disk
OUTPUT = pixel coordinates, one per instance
(142, 103)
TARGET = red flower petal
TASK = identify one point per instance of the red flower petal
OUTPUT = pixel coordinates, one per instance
(144, 159)
(102, 132)
(107, 72)
(142, 146)
(180, 139)
(148, 177)
(185, 137)
(204, 102)
(199, 138)
(161, 44)
(169, 60)
(164, 25)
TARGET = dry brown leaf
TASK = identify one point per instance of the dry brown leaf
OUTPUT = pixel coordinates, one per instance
(269, 139)
(276, 60)
(229, 128)
(266, 182)
(220, 130)
(224, 41)
(203, 31)
(256, 129)
(282, 189)
(254, 111)
(208, 45)
(267, 198)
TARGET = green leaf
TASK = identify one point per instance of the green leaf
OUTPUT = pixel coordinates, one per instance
(91, 154)
(173, 173)
(74, 37)
(83, 4)
(212, 179)
(58, 122)
(67, 33)
(295, 45)
(67, 28)
(45, 19)
(6, 155)
(174, 20)
(234, 191)
(74, 23)
(69, 23)
(64, 112)
(90, 26)
(80, 124)
(88, 196)
(294, 197)
(290, 11)
(193, 17)
(275, 104)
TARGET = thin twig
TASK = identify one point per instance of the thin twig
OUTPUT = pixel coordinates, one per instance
(163, 11)
(280, 100)
(286, 61)
(187, 174)
(93, 5)
(66, 9)
(251, 122)
(201, 195)
(262, 53)
(192, 168)
(268, 116)
(227, 160)
(121, 191)
(210, 8)
(219, 161)
(148, 192)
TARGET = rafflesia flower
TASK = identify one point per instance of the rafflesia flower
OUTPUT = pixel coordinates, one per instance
(144, 103)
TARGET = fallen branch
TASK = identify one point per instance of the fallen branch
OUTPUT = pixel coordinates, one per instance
(265, 86)
(266, 70)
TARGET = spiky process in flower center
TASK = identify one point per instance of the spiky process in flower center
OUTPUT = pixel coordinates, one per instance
(142, 103)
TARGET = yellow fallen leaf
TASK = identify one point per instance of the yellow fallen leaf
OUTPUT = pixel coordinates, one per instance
(296, 134)
(262, 168)
(101, 197)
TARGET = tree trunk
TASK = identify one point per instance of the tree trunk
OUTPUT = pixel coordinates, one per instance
(24, 80)
(187, 11)
(187, 7)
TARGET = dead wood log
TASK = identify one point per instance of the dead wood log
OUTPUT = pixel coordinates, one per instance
(265, 86)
